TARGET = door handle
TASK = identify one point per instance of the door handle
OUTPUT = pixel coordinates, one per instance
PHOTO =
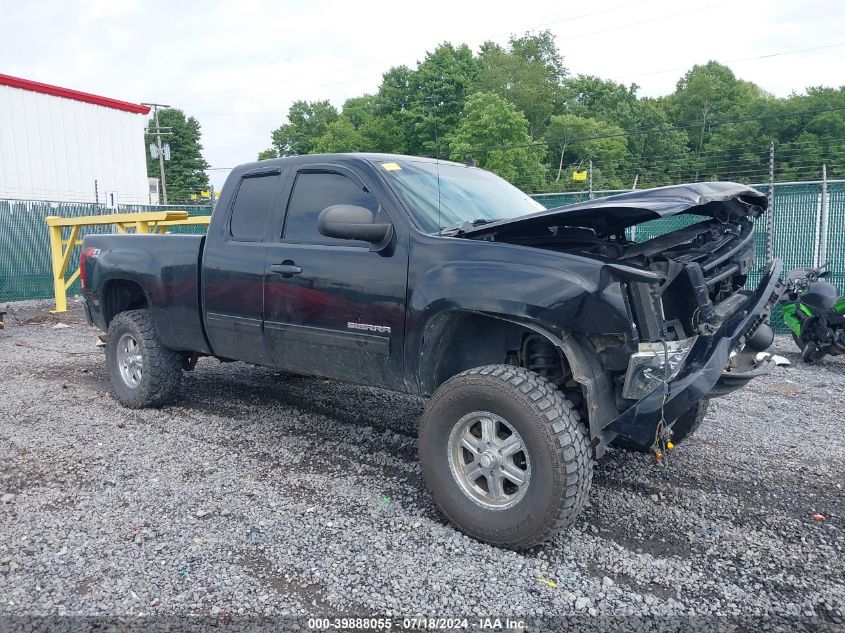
(286, 269)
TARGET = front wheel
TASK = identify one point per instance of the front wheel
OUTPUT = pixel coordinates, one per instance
(143, 372)
(505, 455)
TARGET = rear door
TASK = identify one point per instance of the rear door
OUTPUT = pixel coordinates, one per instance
(233, 269)
(333, 307)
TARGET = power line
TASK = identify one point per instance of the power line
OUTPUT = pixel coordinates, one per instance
(738, 59)
(396, 58)
(673, 128)
(369, 76)
(659, 18)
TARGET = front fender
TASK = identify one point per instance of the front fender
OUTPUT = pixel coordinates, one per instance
(576, 299)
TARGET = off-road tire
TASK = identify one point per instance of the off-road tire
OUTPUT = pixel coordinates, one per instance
(556, 441)
(162, 367)
(683, 428)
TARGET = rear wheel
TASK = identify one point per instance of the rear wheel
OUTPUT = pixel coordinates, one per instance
(505, 455)
(143, 372)
(810, 352)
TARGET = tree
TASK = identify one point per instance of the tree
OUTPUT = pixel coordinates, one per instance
(581, 139)
(359, 110)
(495, 134)
(385, 133)
(708, 94)
(307, 121)
(184, 173)
(591, 96)
(713, 126)
(394, 93)
(377, 130)
(804, 143)
(659, 153)
(340, 136)
(656, 151)
(528, 74)
(438, 91)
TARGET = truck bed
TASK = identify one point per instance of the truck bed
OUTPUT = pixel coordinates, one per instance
(167, 267)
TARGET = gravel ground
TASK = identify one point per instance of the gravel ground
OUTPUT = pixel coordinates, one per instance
(266, 494)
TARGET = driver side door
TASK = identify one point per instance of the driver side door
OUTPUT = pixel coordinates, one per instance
(333, 307)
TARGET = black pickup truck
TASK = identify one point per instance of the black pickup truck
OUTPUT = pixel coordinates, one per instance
(541, 336)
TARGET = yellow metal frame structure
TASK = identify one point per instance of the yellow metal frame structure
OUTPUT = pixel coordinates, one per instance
(156, 222)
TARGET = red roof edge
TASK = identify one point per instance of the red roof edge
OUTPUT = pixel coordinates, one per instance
(76, 95)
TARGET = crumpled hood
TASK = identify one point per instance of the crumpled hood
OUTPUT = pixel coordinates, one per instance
(615, 213)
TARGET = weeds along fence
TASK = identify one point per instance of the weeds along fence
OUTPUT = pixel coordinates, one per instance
(806, 221)
(25, 271)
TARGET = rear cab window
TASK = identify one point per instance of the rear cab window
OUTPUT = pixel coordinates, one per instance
(252, 206)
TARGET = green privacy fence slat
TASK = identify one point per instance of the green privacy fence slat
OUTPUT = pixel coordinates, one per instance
(836, 224)
(25, 248)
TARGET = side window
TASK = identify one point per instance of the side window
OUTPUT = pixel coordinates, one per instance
(252, 206)
(313, 192)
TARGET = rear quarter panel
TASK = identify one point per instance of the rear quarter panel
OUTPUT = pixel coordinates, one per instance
(166, 267)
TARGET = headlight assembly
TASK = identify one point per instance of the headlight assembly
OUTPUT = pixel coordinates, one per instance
(652, 364)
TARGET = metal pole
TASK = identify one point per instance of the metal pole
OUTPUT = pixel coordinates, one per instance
(770, 211)
(162, 196)
(825, 216)
(591, 179)
(160, 157)
(633, 228)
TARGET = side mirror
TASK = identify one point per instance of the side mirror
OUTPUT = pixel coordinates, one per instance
(348, 222)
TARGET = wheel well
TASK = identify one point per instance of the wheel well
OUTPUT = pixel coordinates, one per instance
(459, 341)
(121, 295)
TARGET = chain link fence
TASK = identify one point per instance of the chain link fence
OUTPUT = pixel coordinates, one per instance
(25, 271)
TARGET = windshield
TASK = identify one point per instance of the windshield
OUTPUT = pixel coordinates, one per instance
(466, 194)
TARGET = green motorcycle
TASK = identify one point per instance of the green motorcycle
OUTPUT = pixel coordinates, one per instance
(815, 313)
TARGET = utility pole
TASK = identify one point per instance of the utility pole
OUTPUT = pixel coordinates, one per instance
(591, 179)
(824, 221)
(770, 220)
(158, 134)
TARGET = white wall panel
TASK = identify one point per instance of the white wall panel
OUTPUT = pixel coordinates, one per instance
(54, 148)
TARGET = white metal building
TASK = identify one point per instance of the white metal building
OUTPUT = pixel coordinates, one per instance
(65, 145)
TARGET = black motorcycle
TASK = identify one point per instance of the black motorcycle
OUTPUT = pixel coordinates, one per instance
(814, 311)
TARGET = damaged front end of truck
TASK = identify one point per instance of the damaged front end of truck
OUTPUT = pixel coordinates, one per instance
(697, 331)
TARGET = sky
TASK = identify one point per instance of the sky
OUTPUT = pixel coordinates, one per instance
(238, 65)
